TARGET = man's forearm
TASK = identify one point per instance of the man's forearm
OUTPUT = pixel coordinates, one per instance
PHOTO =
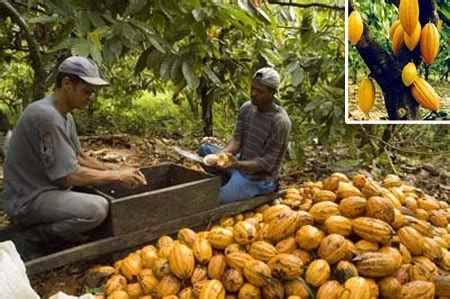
(232, 147)
(86, 176)
(249, 166)
(90, 162)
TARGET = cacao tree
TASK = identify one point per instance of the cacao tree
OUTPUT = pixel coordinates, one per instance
(386, 59)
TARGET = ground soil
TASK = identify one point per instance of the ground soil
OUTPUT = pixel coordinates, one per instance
(138, 151)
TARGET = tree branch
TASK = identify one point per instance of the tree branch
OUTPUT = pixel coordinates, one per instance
(35, 55)
(386, 67)
(308, 5)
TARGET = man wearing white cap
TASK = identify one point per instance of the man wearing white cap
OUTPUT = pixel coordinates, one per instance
(45, 160)
(260, 140)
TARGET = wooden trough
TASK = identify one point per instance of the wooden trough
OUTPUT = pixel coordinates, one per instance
(175, 197)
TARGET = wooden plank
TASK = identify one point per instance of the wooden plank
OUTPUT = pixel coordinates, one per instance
(113, 244)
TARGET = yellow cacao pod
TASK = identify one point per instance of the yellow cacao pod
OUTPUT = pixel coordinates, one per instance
(409, 15)
(309, 237)
(297, 288)
(338, 225)
(398, 39)
(425, 95)
(355, 27)
(345, 270)
(187, 236)
(352, 207)
(409, 74)
(232, 280)
(364, 246)
(318, 272)
(333, 248)
(355, 288)
(116, 282)
(380, 208)
(216, 266)
(429, 43)
(169, 285)
(212, 289)
(257, 273)
(249, 291)
(181, 261)
(202, 250)
(411, 238)
(244, 232)
(366, 95)
(411, 41)
(200, 274)
(329, 290)
(373, 230)
(393, 29)
(390, 287)
(418, 289)
(286, 266)
(375, 264)
(274, 289)
(262, 251)
(118, 294)
(237, 260)
(287, 245)
(220, 238)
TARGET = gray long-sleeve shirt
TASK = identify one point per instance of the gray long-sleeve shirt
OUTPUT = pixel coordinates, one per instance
(43, 149)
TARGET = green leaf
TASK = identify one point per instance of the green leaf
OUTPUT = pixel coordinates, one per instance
(211, 75)
(68, 43)
(190, 76)
(44, 19)
(199, 14)
(84, 25)
(271, 57)
(142, 61)
(135, 6)
(165, 69)
(156, 44)
(176, 73)
(298, 76)
(82, 48)
(96, 54)
(95, 18)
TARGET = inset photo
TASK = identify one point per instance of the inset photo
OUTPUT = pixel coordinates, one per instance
(398, 61)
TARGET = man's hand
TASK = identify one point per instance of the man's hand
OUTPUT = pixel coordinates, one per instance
(131, 178)
(226, 161)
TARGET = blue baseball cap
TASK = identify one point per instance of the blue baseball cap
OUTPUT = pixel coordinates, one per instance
(84, 68)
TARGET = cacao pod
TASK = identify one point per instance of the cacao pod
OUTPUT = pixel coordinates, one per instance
(318, 272)
(181, 261)
(409, 74)
(355, 27)
(213, 289)
(411, 41)
(409, 15)
(429, 43)
(366, 95)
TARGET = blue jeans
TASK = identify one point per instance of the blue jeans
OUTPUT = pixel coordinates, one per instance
(238, 186)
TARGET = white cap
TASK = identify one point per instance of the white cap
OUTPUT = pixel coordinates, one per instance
(268, 77)
(84, 68)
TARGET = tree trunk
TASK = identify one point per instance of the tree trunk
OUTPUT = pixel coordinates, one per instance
(35, 55)
(386, 68)
(207, 111)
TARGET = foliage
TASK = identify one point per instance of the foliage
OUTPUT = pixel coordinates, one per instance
(195, 53)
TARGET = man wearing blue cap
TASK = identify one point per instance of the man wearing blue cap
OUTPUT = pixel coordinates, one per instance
(260, 140)
(45, 160)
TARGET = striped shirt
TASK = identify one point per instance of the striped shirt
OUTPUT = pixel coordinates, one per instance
(263, 136)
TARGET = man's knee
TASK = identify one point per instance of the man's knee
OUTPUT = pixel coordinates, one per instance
(97, 209)
(207, 148)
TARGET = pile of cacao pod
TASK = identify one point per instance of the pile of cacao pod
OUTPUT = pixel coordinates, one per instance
(407, 31)
(337, 238)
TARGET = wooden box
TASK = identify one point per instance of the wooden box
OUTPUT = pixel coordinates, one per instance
(172, 192)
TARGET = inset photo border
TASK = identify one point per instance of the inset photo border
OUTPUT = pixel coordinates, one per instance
(397, 63)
